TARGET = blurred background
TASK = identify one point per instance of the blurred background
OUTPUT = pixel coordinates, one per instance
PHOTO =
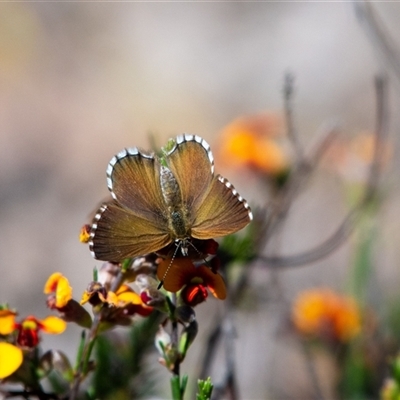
(81, 81)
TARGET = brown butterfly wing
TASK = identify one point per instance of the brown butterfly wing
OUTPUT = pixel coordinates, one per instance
(191, 163)
(222, 212)
(133, 179)
(117, 234)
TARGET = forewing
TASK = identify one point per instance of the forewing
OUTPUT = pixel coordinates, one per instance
(192, 164)
(222, 212)
(133, 179)
(117, 234)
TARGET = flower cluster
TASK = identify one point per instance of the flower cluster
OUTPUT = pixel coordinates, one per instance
(118, 293)
(168, 281)
(20, 337)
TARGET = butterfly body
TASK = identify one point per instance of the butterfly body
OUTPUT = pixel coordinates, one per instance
(177, 213)
(161, 201)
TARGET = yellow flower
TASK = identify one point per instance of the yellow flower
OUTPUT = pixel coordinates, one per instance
(52, 325)
(95, 293)
(123, 296)
(324, 313)
(124, 300)
(29, 328)
(84, 234)
(7, 321)
(59, 285)
(27, 335)
(10, 359)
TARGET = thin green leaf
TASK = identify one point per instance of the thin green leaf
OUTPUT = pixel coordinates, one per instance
(176, 388)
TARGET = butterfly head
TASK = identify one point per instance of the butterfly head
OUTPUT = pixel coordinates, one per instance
(197, 252)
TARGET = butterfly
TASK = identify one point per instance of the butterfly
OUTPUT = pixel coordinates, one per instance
(161, 200)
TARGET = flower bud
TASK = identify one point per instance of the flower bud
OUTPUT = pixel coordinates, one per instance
(162, 340)
(185, 315)
(187, 337)
(55, 360)
(154, 298)
(144, 281)
(107, 274)
(169, 353)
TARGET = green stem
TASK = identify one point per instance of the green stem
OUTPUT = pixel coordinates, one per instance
(177, 388)
(83, 363)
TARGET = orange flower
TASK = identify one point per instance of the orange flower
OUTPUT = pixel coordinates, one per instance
(324, 313)
(352, 158)
(363, 146)
(59, 285)
(247, 141)
(11, 358)
(183, 272)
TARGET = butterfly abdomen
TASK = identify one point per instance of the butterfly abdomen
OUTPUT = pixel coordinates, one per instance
(179, 225)
(169, 188)
(173, 199)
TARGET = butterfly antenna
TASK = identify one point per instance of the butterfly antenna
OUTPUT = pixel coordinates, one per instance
(169, 267)
(198, 252)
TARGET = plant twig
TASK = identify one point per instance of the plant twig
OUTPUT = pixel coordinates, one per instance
(312, 372)
(292, 133)
(230, 378)
(277, 216)
(346, 227)
(228, 386)
(30, 394)
(279, 207)
(318, 252)
(380, 38)
(210, 351)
